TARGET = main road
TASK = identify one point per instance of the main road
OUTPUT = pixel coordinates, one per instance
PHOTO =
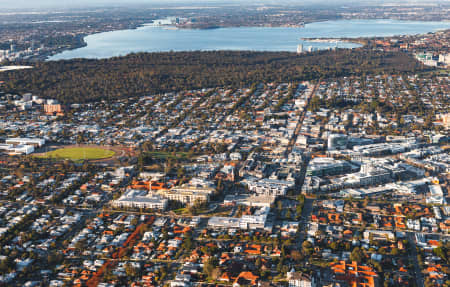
(301, 119)
(415, 260)
(303, 224)
(309, 202)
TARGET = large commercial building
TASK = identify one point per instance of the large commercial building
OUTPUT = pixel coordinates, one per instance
(256, 221)
(17, 149)
(21, 145)
(269, 187)
(249, 200)
(188, 194)
(26, 141)
(360, 193)
(436, 195)
(224, 222)
(323, 166)
(384, 148)
(337, 141)
(140, 199)
(445, 59)
(51, 109)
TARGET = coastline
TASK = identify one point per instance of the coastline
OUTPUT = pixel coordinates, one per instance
(83, 43)
(333, 40)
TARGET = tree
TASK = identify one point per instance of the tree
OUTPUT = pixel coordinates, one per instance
(288, 213)
(180, 172)
(299, 210)
(315, 104)
(193, 70)
(307, 247)
(210, 265)
(280, 205)
(440, 252)
(215, 274)
(187, 243)
(357, 255)
(334, 246)
(296, 255)
(258, 262)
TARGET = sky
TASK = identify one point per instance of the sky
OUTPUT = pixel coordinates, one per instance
(46, 4)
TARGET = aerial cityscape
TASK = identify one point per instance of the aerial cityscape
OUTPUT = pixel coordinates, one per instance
(210, 143)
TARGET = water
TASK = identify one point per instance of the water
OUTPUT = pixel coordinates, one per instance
(151, 38)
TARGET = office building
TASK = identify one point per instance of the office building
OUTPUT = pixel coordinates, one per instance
(26, 141)
(337, 141)
(140, 199)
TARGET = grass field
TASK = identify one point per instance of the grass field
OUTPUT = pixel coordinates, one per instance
(79, 153)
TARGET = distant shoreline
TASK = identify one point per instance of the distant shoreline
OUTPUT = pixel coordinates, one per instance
(332, 40)
(167, 25)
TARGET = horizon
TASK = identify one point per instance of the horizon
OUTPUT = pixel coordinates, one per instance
(27, 5)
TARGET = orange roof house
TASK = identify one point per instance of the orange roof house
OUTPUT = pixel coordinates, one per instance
(400, 222)
(147, 185)
(253, 249)
(348, 232)
(246, 278)
(334, 218)
(225, 277)
(433, 243)
(435, 272)
(355, 275)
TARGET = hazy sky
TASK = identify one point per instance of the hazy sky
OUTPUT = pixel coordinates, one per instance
(45, 4)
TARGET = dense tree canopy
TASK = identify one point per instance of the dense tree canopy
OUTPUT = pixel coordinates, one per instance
(82, 80)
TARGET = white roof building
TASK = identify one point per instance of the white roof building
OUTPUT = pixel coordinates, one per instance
(26, 141)
(137, 199)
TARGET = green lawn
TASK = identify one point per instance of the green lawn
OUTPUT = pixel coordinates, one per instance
(79, 153)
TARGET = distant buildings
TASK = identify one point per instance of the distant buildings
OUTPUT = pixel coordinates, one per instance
(51, 109)
(12, 47)
(445, 59)
(434, 60)
(446, 120)
(428, 59)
